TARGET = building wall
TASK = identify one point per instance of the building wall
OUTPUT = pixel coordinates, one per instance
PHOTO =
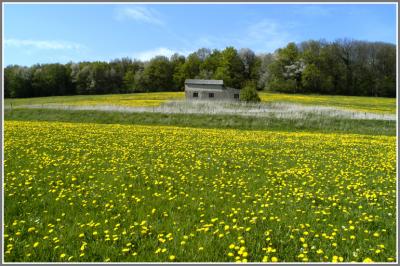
(203, 91)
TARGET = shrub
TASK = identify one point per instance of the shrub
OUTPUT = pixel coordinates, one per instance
(249, 93)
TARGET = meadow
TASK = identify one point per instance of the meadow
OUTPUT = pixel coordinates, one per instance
(134, 99)
(365, 104)
(95, 186)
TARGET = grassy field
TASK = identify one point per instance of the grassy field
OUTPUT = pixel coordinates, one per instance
(310, 123)
(95, 186)
(365, 104)
(95, 192)
(135, 99)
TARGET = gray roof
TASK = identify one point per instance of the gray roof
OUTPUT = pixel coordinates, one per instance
(204, 81)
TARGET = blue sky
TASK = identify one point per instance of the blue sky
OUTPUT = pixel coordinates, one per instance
(46, 33)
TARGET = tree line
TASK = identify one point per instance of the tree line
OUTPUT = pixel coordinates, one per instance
(345, 67)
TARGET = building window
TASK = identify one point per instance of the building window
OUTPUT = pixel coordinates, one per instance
(236, 96)
(211, 95)
(195, 94)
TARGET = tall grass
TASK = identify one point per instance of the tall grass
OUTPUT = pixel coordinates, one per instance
(364, 104)
(309, 122)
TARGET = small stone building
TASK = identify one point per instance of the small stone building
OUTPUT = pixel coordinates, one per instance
(203, 89)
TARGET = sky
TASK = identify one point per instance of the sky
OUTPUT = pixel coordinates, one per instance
(60, 33)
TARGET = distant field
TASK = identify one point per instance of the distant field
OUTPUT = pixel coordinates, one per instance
(310, 123)
(134, 99)
(365, 104)
(96, 192)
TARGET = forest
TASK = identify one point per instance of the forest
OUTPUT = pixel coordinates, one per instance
(341, 67)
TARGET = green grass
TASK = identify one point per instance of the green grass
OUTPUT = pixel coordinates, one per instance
(133, 99)
(312, 123)
(95, 186)
(365, 104)
(110, 192)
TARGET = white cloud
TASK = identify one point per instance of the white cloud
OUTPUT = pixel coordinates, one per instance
(269, 35)
(139, 13)
(149, 54)
(43, 44)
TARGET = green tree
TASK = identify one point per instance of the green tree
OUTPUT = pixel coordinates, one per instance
(230, 68)
(209, 65)
(158, 75)
(129, 81)
(285, 70)
(50, 80)
(18, 81)
(177, 61)
(311, 78)
(249, 93)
